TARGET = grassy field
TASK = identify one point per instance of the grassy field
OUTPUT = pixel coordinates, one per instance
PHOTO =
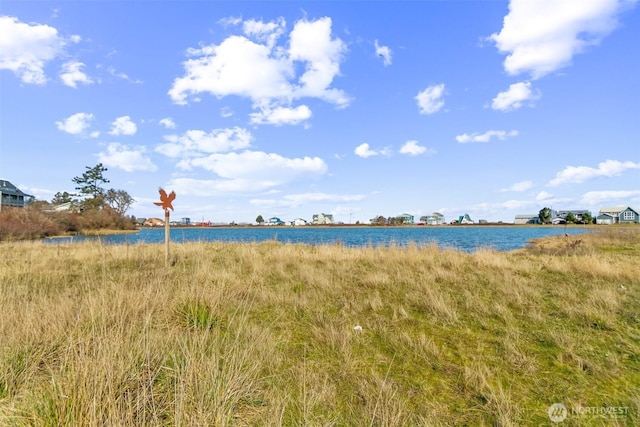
(280, 334)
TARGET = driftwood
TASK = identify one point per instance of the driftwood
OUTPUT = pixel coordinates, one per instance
(575, 243)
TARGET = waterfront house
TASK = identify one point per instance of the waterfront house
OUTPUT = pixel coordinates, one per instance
(275, 221)
(629, 215)
(299, 222)
(322, 218)
(527, 219)
(153, 222)
(10, 195)
(435, 218)
(577, 213)
(464, 219)
(406, 218)
(605, 219)
(623, 214)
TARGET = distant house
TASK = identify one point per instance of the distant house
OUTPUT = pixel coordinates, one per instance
(299, 222)
(620, 214)
(73, 207)
(435, 218)
(10, 195)
(527, 219)
(153, 222)
(63, 207)
(275, 221)
(406, 218)
(605, 219)
(629, 215)
(577, 213)
(323, 218)
(464, 219)
(185, 221)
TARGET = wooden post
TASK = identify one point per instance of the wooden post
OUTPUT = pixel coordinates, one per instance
(166, 237)
(165, 203)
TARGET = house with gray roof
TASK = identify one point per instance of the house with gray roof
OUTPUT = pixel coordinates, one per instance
(527, 219)
(629, 215)
(577, 213)
(10, 195)
(435, 218)
(619, 214)
(322, 219)
(605, 219)
(406, 218)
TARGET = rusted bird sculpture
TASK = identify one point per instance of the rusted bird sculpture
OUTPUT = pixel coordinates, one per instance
(165, 199)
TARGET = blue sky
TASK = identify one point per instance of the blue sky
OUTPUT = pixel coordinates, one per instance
(359, 109)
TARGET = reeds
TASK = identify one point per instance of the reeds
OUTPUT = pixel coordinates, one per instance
(263, 334)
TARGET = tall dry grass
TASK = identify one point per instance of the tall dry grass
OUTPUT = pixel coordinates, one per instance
(263, 334)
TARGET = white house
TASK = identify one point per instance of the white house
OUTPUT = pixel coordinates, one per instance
(435, 218)
(299, 222)
(605, 219)
(464, 219)
(322, 218)
(527, 219)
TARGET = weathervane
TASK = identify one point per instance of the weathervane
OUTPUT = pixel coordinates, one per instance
(165, 203)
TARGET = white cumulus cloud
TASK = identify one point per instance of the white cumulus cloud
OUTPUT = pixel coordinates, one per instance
(213, 187)
(127, 159)
(543, 195)
(612, 196)
(514, 97)
(519, 186)
(578, 174)
(76, 124)
(305, 67)
(363, 150)
(296, 200)
(281, 115)
(430, 100)
(72, 74)
(25, 49)
(194, 143)
(485, 137)
(168, 123)
(384, 52)
(259, 165)
(123, 126)
(268, 32)
(414, 149)
(542, 36)
(251, 171)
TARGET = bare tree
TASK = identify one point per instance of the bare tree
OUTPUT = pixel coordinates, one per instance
(119, 200)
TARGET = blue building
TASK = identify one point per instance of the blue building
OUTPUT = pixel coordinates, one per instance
(10, 195)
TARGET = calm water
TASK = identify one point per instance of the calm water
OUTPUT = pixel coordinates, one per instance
(466, 239)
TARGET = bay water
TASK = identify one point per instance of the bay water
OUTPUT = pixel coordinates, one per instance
(463, 238)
